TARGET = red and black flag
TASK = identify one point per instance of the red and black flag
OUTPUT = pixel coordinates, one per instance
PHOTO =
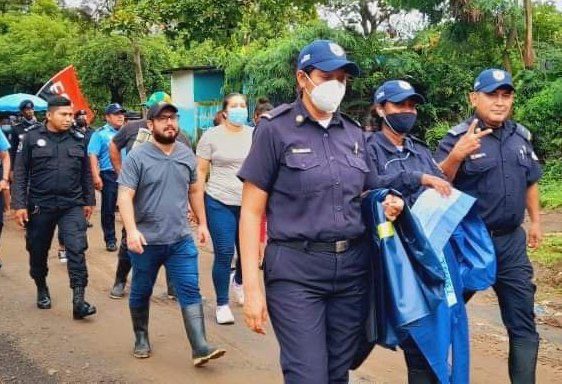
(65, 83)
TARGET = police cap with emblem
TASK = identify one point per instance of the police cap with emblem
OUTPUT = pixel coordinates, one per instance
(58, 101)
(326, 56)
(114, 108)
(396, 91)
(26, 104)
(491, 79)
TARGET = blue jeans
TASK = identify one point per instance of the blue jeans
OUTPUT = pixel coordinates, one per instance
(223, 225)
(180, 260)
(108, 205)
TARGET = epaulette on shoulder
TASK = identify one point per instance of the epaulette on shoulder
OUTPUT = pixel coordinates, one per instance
(350, 119)
(523, 132)
(77, 134)
(277, 111)
(417, 140)
(32, 127)
(459, 129)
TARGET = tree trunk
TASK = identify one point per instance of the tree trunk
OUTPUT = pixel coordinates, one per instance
(138, 71)
(529, 54)
(116, 94)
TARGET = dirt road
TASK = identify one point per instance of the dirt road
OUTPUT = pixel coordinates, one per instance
(47, 346)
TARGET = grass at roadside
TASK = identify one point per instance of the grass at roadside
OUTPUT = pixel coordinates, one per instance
(551, 195)
(550, 252)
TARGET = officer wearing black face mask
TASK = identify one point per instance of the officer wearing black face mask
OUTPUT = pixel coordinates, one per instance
(402, 162)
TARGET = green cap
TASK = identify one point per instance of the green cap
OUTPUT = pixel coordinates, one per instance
(157, 97)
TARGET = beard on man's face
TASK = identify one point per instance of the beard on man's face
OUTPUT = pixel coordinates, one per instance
(164, 138)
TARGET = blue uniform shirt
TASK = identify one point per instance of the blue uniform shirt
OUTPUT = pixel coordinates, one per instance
(401, 169)
(99, 146)
(4, 143)
(314, 175)
(499, 174)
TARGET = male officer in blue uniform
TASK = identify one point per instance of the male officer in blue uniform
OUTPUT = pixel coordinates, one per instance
(491, 158)
(309, 166)
(105, 177)
(53, 187)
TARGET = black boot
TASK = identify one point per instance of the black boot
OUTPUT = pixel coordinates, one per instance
(523, 361)
(43, 296)
(194, 322)
(140, 327)
(123, 268)
(81, 308)
(421, 377)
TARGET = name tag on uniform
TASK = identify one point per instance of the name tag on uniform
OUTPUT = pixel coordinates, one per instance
(301, 150)
(477, 156)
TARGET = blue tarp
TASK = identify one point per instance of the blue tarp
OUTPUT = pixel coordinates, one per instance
(428, 257)
(11, 103)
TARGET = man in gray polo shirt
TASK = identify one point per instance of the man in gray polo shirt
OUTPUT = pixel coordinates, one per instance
(154, 185)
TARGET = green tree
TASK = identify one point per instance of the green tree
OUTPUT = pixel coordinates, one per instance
(106, 68)
(34, 47)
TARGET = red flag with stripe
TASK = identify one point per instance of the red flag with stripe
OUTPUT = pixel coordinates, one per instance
(65, 83)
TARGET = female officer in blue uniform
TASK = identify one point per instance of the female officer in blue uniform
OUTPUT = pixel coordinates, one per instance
(404, 163)
(308, 165)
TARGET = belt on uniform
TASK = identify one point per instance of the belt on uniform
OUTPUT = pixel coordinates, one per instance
(319, 246)
(502, 231)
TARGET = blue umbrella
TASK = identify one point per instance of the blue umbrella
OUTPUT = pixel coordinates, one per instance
(11, 103)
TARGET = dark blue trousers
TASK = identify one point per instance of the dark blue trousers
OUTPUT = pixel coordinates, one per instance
(39, 235)
(514, 286)
(223, 225)
(181, 262)
(317, 303)
(108, 205)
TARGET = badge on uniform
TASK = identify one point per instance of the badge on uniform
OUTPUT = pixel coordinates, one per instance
(301, 150)
(41, 143)
(477, 156)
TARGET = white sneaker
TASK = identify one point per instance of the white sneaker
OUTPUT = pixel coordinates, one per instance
(224, 315)
(237, 292)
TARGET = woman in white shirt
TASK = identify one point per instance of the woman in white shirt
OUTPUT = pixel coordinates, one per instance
(222, 150)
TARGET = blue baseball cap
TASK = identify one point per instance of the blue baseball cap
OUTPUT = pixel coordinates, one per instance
(114, 108)
(396, 91)
(326, 56)
(491, 79)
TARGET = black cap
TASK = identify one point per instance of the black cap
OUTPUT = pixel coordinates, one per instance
(26, 104)
(80, 112)
(157, 109)
(58, 101)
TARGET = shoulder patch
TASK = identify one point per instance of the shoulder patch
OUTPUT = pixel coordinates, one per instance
(523, 132)
(277, 111)
(350, 119)
(459, 129)
(32, 127)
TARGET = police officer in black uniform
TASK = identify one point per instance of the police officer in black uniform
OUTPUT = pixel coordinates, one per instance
(309, 166)
(491, 157)
(53, 186)
(27, 122)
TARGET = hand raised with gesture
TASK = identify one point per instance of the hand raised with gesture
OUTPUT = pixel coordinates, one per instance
(469, 142)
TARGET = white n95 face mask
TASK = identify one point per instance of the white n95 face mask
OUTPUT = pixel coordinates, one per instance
(327, 96)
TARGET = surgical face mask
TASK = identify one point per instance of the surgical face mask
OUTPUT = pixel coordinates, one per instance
(328, 95)
(401, 123)
(237, 115)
